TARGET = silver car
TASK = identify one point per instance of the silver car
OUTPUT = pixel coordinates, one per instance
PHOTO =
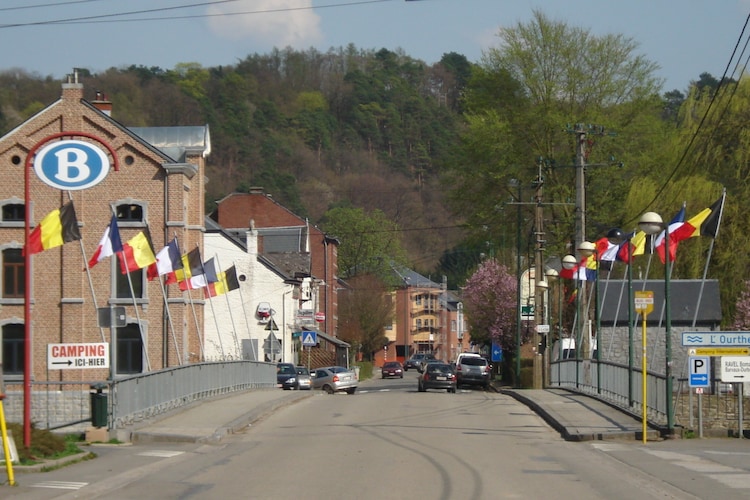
(304, 380)
(335, 379)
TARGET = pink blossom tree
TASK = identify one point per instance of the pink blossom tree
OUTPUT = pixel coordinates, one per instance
(742, 309)
(490, 303)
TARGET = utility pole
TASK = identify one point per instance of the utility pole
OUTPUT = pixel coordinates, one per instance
(538, 277)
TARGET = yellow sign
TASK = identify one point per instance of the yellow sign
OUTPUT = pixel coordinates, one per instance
(720, 351)
(644, 302)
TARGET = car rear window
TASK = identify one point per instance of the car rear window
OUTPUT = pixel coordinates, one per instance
(472, 361)
(435, 368)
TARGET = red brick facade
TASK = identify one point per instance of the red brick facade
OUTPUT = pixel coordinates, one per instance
(64, 303)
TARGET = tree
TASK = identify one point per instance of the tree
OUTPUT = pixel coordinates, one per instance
(550, 74)
(369, 242)
(364, 312)
(490, 304)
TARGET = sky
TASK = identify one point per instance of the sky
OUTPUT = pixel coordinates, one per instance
(51, 37)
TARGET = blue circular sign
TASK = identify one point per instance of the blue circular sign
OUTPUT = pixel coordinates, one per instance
(71, 165)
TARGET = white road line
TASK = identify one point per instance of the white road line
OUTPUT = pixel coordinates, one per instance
(160, 453)
(59, 485)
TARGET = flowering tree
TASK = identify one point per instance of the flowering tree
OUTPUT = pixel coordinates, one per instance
(490, 303)
(742, 309)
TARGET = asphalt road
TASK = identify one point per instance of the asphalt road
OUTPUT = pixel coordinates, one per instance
(389, 441)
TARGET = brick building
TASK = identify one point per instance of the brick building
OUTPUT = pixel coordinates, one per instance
(155, 182)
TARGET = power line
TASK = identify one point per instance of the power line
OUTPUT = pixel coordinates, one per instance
(103, 18)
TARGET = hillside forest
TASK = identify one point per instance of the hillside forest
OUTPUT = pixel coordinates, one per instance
(429, 163)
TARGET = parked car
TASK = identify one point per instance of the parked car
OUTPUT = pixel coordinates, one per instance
(392, 369)
(473, 370)
(426, 362)
(437, 376)
(415, 362)
(286, 376)
(334, 379)
(304, 380)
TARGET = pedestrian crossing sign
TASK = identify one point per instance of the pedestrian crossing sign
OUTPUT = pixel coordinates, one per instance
(309, 339)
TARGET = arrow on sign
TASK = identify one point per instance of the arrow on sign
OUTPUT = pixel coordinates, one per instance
(68, 362)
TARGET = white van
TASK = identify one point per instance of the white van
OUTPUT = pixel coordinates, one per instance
(569, 349)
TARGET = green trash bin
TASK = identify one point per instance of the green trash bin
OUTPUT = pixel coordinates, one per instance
(98, 406)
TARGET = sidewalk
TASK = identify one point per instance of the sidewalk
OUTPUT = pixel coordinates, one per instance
(211, 420)
(581, 418)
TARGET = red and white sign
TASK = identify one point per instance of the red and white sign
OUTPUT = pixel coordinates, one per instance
(320, 317)
(89, 355)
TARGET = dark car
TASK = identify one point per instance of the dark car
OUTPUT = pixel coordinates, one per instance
(473, 370)
(415, 362)
(437, 376)
(286, 376)
(392, 369)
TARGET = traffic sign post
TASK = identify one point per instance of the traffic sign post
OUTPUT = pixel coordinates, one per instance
(700, 367)
(644, 304)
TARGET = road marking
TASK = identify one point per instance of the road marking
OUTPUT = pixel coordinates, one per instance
(60, 485)
(160, 453)
(729, 476)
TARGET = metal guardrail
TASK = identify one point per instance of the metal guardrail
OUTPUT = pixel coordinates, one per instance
(127, 400)
(143, 396)
(612, 386)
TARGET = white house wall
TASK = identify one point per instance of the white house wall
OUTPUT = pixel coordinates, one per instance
(234, 314)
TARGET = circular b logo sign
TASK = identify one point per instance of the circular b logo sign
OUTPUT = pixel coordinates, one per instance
(71, 165)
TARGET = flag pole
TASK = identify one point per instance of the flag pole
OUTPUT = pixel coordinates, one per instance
(708, 257)
(247, 321)
(213, 312)
(91, 283)
(169, 315)
(195, 316)
(229, 308)
(121, 257)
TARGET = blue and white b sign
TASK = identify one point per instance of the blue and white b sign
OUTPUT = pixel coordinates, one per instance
(71, 165)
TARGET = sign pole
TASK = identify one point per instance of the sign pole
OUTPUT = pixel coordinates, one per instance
(644, 304)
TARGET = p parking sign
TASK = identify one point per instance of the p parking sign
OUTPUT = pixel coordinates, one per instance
(699, 370)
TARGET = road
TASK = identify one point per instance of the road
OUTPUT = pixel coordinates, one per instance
(389, 441)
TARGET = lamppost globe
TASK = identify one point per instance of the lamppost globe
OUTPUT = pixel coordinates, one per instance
(586, 248)
(651, 223)
(569, 262)
(542, 284)
(551, 274)
(615, 236)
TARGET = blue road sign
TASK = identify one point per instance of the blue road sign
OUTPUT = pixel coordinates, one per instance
(497, 353)
(699, 370)
(708, 339)
(309, 339)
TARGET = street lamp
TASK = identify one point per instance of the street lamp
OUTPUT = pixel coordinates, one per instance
(617, 237)
(552, 275)
(569, 263)
(652, 223)
(587, 249)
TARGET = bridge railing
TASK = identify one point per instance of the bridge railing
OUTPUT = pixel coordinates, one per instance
(609, 382)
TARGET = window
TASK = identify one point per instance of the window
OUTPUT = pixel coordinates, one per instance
(14, 279)
(13, 349)
(129, 212)
(419, 323)
(129, 350)
(122, 287)
(14, 212)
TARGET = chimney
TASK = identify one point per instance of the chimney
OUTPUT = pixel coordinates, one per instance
(102, 103)
(72, 89)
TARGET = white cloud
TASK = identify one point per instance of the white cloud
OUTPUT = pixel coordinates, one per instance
(292, 22)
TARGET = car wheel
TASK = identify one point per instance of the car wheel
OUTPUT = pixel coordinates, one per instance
(328, 389)
(383, 376)
(453, 390)
(420, 388)
(351, 390)
(402, 376)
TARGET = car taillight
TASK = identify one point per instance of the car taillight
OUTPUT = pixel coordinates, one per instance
(458, 368)
(487, 369)
(426, 376)
(335, 378)
(453, 376)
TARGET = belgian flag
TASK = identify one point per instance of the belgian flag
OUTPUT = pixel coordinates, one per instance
(57, 228)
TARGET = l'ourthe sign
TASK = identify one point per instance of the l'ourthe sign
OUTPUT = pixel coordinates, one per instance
(71, 164)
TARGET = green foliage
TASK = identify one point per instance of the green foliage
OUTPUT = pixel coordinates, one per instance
(45, 445)
(365, 310)
(369, 242)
